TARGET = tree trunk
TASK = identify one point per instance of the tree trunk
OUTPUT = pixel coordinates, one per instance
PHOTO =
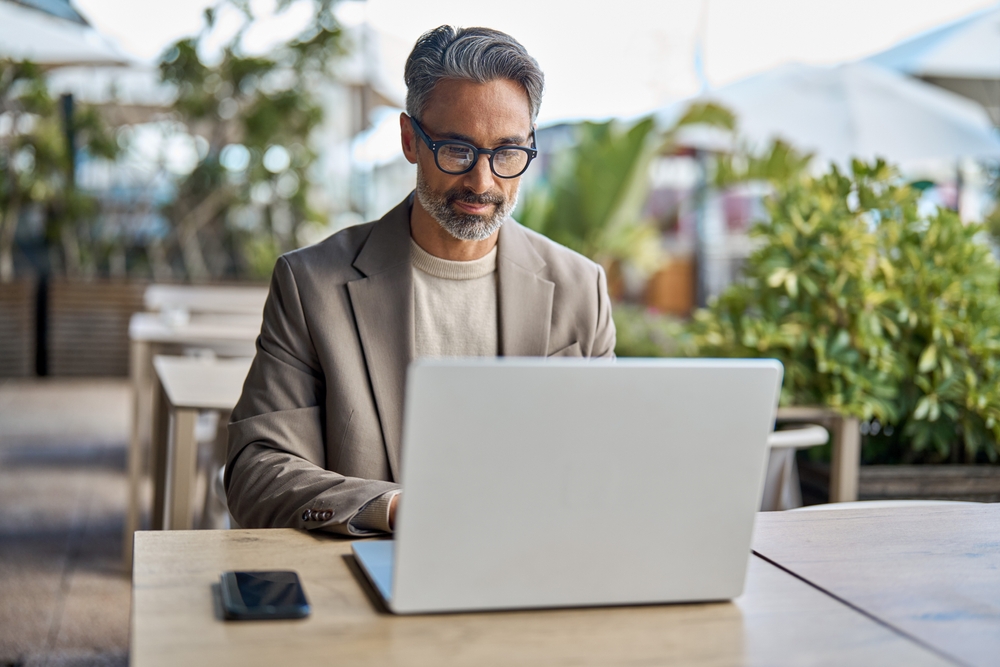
(8, 230)
(158, 263)
(71, 251)
(191, 223)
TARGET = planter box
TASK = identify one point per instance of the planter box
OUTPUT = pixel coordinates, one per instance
(88, 326)
(909, 482)
(17, 329)
(671, 289)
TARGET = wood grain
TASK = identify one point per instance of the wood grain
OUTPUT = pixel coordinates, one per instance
(17, 329)
(933, 572)
(88, 326)
(778, 621)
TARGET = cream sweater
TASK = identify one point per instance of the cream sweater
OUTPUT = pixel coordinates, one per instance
(454, 305)
(454, 315)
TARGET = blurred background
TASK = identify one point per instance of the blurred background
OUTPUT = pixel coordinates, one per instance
(815, 182)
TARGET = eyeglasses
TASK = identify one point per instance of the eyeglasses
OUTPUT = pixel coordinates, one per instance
(459, 157)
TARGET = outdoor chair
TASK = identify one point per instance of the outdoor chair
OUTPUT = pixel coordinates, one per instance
(781, 485)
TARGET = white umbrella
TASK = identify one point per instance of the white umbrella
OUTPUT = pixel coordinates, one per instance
(963, 56)
(857, 110)
(49, 41)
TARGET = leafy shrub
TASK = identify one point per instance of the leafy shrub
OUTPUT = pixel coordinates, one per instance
(875, 311)
(643, 332)
(592, 199)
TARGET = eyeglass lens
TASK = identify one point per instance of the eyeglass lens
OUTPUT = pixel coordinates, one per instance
(457, 158)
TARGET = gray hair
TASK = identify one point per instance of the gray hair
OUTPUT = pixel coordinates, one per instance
(474, 54)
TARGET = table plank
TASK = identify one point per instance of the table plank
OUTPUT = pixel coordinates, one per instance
(778, 621)
(149, 334)
(238, 299)
(202, 384)
(932, 572)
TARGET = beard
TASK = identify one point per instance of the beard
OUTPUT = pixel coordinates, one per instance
(465, 226)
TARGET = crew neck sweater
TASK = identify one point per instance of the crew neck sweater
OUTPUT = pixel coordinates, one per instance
(454, 305)
(454, 315)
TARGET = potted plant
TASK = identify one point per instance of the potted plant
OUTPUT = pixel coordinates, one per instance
(877, 312)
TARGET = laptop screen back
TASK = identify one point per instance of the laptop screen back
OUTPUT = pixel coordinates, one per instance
(543, 483)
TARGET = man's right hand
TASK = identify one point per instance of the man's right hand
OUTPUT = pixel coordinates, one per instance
(392, 510)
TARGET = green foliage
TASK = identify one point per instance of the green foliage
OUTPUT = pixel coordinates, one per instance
(36, 169)
(234, 222)
(592, 200)
(643, 332)
(778, 164)
(874, 310)
(708, 114)
(943, 281)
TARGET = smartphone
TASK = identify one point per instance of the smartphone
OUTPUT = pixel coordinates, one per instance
(263, 595)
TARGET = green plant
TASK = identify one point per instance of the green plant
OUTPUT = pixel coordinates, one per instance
(246, 198)
(36, 169)
(644, 333)
(943, 280)
(779, 163)
(592, 199)
(875, 311)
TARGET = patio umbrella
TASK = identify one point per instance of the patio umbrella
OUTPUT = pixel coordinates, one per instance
(50, 41)
(856, 110)
(963, 57)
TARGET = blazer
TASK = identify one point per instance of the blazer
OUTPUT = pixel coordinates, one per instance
(316, 433)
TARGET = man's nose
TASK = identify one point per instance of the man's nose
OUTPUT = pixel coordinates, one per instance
(480, 179)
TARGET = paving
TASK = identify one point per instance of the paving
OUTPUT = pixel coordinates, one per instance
(64, 599)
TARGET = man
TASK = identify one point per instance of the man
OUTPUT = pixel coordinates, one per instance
(314, 441)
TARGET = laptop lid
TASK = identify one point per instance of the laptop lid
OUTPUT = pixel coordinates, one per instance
(549, 483)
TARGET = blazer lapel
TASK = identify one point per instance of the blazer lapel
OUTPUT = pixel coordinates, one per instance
(525, 299)
(382, 307)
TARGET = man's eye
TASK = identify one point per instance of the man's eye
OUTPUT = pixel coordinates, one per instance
(453, 152)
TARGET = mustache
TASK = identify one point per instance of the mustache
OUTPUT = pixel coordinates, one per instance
(468, 197)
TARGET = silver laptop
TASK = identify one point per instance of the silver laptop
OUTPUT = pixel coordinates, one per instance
(556, 483)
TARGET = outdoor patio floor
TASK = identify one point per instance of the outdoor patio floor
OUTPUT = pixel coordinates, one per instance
(64, 599)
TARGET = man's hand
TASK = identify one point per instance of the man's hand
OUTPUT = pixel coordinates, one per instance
(392, 510)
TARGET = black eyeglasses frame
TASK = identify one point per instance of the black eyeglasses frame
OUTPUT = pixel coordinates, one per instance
(435, 146)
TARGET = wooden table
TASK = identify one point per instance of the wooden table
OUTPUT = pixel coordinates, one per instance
(150, 334)
(233, 299)
(931, 573)
(779, 620)
(845, 446)
(185, 387)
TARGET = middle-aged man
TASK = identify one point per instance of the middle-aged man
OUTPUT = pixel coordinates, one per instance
(314, 441)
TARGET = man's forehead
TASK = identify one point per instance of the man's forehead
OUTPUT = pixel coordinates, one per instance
(467, 110)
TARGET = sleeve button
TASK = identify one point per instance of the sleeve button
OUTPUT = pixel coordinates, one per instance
(307, 515)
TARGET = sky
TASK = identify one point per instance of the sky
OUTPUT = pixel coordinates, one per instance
(620, 58)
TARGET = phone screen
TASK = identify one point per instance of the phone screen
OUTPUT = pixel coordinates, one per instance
(271, 594)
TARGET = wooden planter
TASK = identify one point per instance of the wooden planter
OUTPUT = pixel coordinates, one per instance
(17, 329)
(88, 326)
(671, 289)
(939, 482)
(979, 483)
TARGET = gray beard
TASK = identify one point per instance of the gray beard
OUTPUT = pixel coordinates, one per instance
(464, 227)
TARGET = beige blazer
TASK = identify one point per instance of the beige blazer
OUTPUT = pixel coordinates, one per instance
(316, 433)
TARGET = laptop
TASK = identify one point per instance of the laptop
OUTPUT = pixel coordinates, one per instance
(534, 483)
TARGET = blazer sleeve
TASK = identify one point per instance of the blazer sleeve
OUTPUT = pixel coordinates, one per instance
(276, 474)
(605, 334)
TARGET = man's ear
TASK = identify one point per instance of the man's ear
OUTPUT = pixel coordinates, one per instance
(408, 138)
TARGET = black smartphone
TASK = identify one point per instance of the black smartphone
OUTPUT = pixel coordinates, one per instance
(263, 595)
